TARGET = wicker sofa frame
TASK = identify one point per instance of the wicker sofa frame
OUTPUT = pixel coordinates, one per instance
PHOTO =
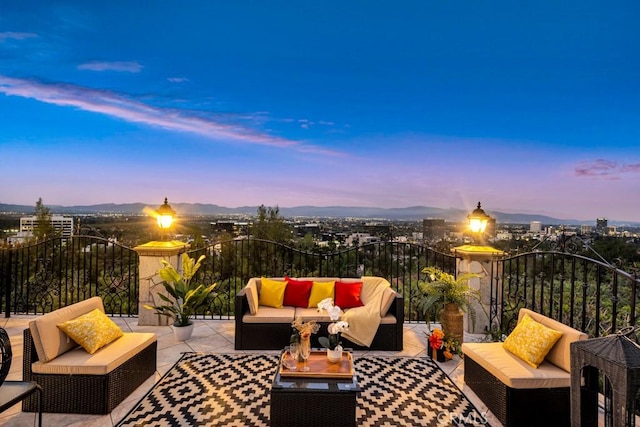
(275, 336)
(518, 407)
(86, 394)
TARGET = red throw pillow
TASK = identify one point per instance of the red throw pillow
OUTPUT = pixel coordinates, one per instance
(297, 293)
(348, 294)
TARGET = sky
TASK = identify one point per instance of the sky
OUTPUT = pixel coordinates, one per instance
(528, 107)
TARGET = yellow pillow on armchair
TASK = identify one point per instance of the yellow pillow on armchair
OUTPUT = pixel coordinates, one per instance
(92, 331)
(531, 341)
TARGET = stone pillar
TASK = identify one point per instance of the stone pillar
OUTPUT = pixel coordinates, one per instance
(150, 283)
(480, 260)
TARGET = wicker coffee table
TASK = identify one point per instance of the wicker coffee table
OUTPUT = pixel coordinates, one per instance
(324, 396)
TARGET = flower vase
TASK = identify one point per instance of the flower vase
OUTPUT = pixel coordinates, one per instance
(305, 343)
(335, 355)
(438, 354)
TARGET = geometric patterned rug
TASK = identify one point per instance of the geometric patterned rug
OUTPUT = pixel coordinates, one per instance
(206, 389)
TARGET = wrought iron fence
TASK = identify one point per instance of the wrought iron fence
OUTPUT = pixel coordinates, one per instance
(47, 275)
(588, 294)
(232, 263)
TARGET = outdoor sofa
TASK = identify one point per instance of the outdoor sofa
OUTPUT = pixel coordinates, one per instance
(72, 379)
(259, 327)
(514, 391)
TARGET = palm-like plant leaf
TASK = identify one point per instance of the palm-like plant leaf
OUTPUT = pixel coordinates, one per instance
(186, 298)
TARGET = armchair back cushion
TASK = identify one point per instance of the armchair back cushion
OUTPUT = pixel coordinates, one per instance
(48, 339)
(559, 354)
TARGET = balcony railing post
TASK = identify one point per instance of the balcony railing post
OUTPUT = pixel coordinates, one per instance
(150, 255)
(486, 263)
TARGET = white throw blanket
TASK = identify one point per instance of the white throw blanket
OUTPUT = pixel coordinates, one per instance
(364, 321)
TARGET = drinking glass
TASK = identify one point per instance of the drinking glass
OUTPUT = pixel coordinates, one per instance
(305, 351)
(294, 351)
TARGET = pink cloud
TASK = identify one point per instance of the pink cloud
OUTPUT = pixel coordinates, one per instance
(129, 67)
(605, 168)
(114, 105)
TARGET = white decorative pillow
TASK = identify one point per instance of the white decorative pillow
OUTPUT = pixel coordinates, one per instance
(92, 331)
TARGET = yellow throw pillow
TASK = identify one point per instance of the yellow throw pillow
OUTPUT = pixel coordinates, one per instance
(531, 341)
(320, 291)
(272, 292)
(92, 331)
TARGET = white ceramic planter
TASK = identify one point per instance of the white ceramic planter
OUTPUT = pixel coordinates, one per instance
(183, 333)
(335, 356)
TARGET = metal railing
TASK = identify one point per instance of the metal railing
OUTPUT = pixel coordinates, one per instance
(54, 273)
(586, 293)
(232, 263)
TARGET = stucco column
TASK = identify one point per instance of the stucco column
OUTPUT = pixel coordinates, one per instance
(480, 260)
(150, 283)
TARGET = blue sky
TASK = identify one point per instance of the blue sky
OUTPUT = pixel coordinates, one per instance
(526, 106)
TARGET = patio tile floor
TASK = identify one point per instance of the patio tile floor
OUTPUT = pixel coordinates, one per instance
(209, 336)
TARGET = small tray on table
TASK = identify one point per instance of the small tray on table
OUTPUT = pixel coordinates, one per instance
(319, 366)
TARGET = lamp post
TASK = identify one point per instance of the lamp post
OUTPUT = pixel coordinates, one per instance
(478, 220)
(164, 216)
(150, 256)
(479, 259)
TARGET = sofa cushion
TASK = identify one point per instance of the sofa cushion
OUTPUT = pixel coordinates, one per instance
(49, 341)
(559, 354)
(92, 330)
(271, 315)
(105, 360)
(513, 371)
(531, 341)
(307, 314)
(347, 295)
(320, 291)
(297, 293)
(251, 291)
(272, 292)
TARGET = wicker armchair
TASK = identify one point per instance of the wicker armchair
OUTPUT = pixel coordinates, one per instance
(12, 392)
(86, 394)
(74, 381)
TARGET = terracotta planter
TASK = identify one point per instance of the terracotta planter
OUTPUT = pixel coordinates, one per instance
(452, 319)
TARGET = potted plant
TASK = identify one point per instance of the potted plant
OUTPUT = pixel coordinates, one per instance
(332, 343)
(451, 293)
(187, 296)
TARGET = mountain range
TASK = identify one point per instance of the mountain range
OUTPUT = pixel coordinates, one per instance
(412, 213)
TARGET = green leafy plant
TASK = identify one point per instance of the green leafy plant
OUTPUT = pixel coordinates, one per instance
(188, 297)
(442, 288)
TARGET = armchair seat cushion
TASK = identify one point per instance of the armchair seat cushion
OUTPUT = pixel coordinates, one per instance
(515, 372)
(105, 360)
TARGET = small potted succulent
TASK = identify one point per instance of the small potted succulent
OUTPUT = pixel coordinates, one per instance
(186, 296)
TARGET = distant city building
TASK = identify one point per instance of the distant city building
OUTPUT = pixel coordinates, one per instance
(311, 228)
(601, 225)
(535, 227)
(383, 231)
(586, 229)
(233, 228)
(358, 239)
(62, 225)
(433, 229)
